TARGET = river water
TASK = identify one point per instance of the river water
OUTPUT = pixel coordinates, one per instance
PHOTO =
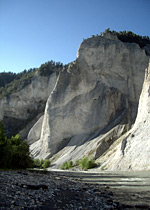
(128, 187)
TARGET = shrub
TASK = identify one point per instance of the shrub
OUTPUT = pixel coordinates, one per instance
(41, 163)
(46, 164)
(70, 164)
(86, 163)
(67, 165)
(36, 163)
(64, 166)
(77, 162)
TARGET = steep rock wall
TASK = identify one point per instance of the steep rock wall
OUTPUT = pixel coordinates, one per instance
(96, 96)
(132, 152)
(21, 109)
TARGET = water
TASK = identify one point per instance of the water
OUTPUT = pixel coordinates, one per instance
(138, 181)
(127, 186)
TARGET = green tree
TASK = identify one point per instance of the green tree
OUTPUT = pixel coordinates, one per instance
(14, 153)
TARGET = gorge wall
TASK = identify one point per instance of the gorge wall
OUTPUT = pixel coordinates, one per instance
(88, 108)
(132, 150)
(20, 110)
(93, 103)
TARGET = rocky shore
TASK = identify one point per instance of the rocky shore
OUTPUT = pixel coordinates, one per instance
(43, 190)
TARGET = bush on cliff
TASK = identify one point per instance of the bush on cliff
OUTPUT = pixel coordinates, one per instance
(129, 36)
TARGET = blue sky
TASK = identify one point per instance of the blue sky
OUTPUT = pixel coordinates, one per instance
(35, 31)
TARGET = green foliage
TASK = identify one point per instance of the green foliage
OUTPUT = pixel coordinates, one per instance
(87, 163)
(77, 162)
(6, 77)
(70, 164)
(46, 164)
(67, 165)
(14, 153)
(64, 166)
(18, 81)
(129, 36)
(36, 163)
(11, 82)
(41, 163)
(49, 67)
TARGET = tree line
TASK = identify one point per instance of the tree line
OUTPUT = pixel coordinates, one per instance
(12, 82)
(128, 36)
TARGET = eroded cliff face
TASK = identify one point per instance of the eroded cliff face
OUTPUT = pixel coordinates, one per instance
(20, 110)
(132, 151)
(94, 101)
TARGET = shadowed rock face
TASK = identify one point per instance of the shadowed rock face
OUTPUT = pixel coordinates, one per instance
(93, 102)
(20, 110)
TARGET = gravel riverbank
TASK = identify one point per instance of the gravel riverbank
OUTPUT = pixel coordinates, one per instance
(53, 190)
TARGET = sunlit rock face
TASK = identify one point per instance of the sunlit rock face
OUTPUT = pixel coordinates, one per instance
(21, 109)
(93, 102)
(133, 149)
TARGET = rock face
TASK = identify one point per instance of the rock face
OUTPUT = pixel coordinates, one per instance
(20, 110)
(133, 149)
(94, 101)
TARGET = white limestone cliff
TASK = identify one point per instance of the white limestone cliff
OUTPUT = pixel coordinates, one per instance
(94, 100)
(133, 149)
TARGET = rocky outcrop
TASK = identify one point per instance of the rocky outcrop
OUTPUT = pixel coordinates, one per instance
(21, 109)
(94, 100)
(132, 152)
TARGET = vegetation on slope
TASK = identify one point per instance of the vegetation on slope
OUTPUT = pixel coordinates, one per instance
(19, 81)
(6, 77)
(85, 164)
(128, 36)
(12, 82)
(42, 164)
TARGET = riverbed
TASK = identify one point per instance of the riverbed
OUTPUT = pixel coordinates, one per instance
(74, 190)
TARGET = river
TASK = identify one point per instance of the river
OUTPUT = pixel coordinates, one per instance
(128, 187)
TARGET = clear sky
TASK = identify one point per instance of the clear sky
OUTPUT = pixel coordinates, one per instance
(35, 31)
